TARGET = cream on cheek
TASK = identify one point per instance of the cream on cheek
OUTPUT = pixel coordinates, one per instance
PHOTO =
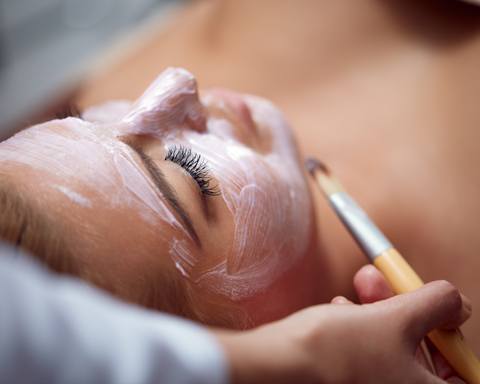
(268, 199)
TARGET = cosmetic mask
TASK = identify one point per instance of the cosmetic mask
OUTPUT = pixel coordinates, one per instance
(266, 193)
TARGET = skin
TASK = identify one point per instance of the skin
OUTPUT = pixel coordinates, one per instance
(333, 343)
(384, 92)
(88, 174)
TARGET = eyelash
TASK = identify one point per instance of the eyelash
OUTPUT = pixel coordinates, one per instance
(195, 165)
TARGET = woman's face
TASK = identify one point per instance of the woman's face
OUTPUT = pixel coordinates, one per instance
(211, 185)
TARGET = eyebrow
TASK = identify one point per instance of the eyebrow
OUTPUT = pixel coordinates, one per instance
(165, 188)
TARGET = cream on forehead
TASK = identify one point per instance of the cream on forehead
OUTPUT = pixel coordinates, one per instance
(76, 157)
(75, 197)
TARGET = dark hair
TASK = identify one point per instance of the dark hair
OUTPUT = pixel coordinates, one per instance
(24, 225)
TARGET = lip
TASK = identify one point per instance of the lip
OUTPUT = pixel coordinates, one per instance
(236, 102)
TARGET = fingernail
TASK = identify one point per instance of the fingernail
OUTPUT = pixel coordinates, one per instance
(466, 303)
(339, 300)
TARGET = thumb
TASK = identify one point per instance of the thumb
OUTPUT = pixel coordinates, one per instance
(435, 305)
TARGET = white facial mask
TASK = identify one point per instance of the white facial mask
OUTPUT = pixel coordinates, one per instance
(268, 199)
(266, 194)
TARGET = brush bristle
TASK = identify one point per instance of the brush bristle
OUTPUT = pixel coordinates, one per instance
(313, 164)
(328, 183)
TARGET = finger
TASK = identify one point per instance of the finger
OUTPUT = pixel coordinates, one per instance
(466, 302)
(371, 285)
(435, 305)
(455, 380)
(423, 360)
(443, 368)
(424, 376)
(341, 301)
(421, 375)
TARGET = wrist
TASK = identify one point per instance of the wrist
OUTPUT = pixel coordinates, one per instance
(261, 357)
(239, 355)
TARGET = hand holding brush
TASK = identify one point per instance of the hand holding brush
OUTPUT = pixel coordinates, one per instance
(393, 266)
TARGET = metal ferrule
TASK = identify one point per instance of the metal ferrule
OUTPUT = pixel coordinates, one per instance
(372, 241)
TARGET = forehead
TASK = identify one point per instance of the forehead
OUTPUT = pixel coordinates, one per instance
(84, 161)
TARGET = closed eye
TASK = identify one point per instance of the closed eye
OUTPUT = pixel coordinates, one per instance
(195, 166)
(165, 188)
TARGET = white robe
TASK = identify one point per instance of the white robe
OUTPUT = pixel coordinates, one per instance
(56, 329)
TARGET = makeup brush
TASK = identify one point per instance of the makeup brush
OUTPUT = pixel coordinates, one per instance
(394, 267)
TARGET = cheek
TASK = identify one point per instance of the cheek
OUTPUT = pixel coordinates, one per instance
(270, 224)
(270, 210)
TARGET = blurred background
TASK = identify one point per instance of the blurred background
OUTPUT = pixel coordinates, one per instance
(48, 46)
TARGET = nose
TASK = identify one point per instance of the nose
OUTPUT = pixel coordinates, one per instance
(170, 104)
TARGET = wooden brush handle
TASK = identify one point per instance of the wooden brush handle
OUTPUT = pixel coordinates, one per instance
(450, 343)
